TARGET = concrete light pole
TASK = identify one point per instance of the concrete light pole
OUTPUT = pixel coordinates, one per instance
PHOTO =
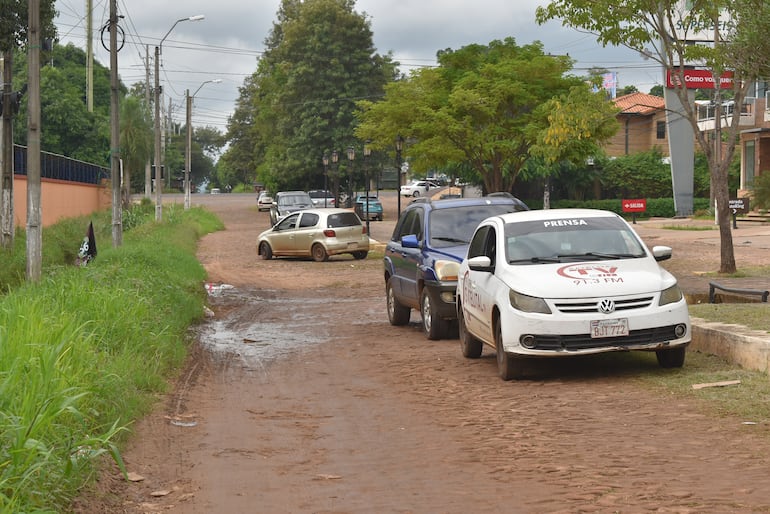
(158, 181)
(188, 148)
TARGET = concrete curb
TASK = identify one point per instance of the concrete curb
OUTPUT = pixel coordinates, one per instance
(748, 348)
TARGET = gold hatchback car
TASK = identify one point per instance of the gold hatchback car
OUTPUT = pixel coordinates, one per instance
(316, 233)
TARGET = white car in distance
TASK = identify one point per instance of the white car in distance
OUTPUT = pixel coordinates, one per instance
(565, 282)
(417, 188)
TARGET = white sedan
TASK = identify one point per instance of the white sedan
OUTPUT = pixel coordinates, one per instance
(417, 188)
(563, 282)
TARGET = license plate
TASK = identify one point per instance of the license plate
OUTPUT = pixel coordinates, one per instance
(352, 245)
(609, 328)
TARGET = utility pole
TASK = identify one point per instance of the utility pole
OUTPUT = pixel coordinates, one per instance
(34, 225)
(89, 55)
(115, 171)
(147, 166)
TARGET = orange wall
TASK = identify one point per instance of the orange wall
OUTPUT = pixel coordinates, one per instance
(60, 199)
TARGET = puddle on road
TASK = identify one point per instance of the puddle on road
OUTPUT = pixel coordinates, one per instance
(258, 326)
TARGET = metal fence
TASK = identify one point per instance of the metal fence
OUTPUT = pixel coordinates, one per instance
(58, 167)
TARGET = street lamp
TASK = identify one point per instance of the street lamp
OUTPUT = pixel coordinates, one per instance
(351, 157)
(188, 149)
(367, 154)
(158, 184)
(399, 147)
(335, 159)
(325, 160)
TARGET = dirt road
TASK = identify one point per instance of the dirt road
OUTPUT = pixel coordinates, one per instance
(301, 398)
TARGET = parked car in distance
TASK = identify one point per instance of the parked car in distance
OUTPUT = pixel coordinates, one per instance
(316, 233)
(264, 201)
(566, 282)
(215, 191)
(424, 253)
(370, 205)
(286, 202)
(417, 188)
(318, 196)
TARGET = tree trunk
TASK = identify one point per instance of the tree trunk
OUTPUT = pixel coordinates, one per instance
(6, 159)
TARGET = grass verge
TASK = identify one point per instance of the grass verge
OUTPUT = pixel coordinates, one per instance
(84, 352)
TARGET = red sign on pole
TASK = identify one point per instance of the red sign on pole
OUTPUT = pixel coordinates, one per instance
(635, 205)
(699, 79)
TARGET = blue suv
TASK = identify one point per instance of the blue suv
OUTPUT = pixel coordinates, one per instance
(424, 254)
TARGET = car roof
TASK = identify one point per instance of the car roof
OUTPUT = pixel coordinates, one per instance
(556, 214)
(449, 203)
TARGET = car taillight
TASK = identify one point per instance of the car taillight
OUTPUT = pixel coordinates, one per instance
(330, 233)
(363, 229)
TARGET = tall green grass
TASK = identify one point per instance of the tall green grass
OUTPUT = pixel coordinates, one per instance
(84, 351)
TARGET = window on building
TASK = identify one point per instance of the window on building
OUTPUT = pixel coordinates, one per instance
(660, 130)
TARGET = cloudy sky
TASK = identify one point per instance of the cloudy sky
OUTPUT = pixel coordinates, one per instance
(227, 43)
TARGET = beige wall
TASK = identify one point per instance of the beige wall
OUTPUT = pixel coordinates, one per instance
(60, 199)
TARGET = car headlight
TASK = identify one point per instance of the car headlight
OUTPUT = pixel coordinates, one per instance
(447, 270)
(670, 295)
(524, 303)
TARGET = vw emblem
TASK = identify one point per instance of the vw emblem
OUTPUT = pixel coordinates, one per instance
(607, 306)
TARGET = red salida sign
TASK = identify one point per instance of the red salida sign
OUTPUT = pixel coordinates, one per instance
(635, 205)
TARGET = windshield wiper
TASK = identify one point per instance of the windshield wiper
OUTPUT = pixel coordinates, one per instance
(537, 260)
(451, 240)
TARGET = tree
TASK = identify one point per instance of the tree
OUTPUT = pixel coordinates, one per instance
(13, 34)
(299, 103)
(739, 31)
(136, 141)
(491, 108)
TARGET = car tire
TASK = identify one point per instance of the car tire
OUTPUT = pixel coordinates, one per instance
(416, 194)
(360, 255)
(434, 327)
(509, 367)
(319, 253)
(397, 314)
(265, 252)
(671, 357)
(470, 346)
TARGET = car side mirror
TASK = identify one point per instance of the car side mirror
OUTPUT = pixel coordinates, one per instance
(480, 263)
(410, 241)
(661, 253)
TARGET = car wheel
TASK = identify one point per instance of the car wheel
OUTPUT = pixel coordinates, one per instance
(416, 194)
(671, 357)
(397, 314)
(265, 252)
(319, 253)
(360, 255)
(433, 326)
(508, 366)
(470, 346)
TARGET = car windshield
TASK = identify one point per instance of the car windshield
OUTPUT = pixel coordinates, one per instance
(455, 226)
(568, 240)
(293, 200)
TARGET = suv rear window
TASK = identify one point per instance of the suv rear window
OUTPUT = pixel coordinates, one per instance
(455, 225)
(297, 199)
(343, 219)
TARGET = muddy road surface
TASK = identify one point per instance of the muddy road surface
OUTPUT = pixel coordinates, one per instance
(299, 397)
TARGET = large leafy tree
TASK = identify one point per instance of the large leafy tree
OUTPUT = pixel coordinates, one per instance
(490, 108)
(299, 103)
(740, 29)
